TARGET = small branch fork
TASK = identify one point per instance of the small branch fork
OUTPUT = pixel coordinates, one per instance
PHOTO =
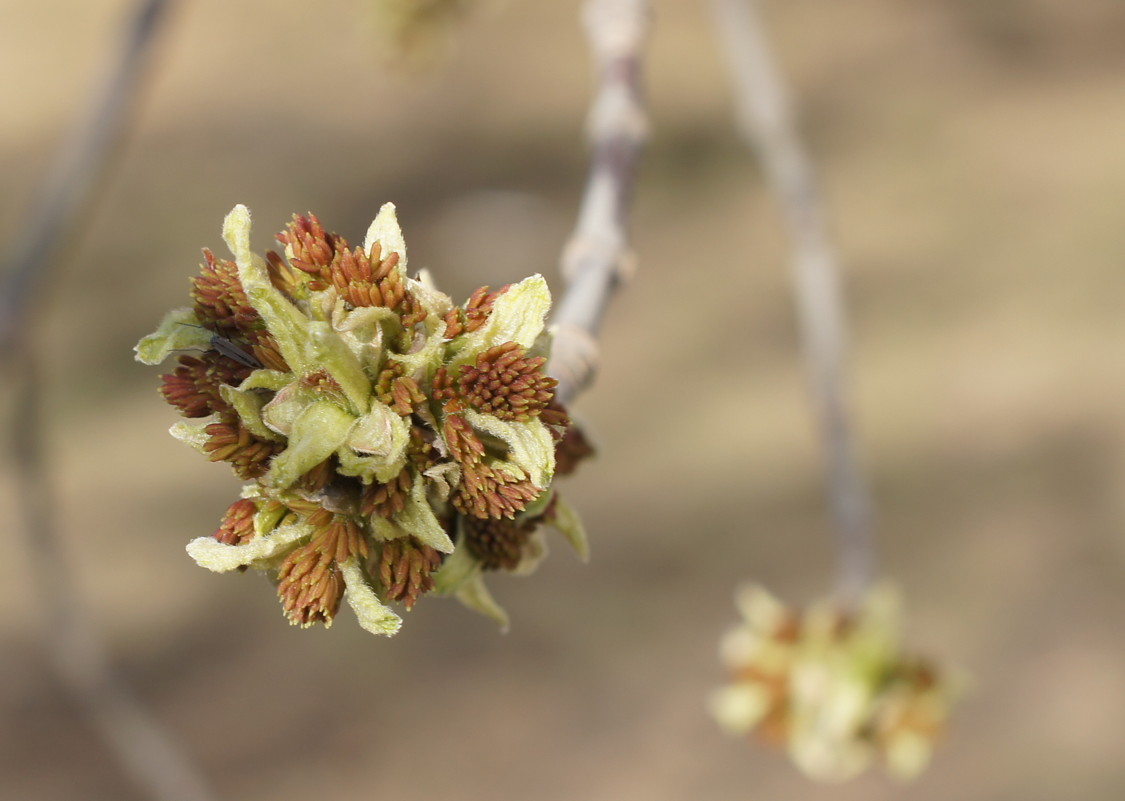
(75, 649)
(765, 120)
(597, 258)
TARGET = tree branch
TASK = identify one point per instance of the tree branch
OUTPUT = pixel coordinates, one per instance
(79, 169)
(74, 647)
(766, 122)
(597, 257)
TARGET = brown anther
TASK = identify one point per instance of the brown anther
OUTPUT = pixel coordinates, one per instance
(463, 443)
(487, 492)
(284, 277)
(405, 569)
(475, 312)
(230, 441)
(442, 386)
(193, 387)
(497, 544)
(220, 302)
(309, 582)
(399, 391)
(573, 448)
(237, 525)
(387, 499)
(507, 384)
(309, 247)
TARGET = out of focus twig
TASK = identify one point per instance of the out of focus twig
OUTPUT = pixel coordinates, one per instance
(766, 122)
(80, 167)
(75, 649)
(597, 256)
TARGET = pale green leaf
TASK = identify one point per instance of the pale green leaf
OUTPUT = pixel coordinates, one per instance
(567, 522)
(518, 316)
(376, 446)
(475, 595)
(179, 330)
(455, 570)
(318, 431)
(530, 446)
(214, 555)
(193, 434)
(248, 406)
(372, 615)
(386, 232)
(418, 518)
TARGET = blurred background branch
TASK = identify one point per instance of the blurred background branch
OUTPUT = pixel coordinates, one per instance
(766, 122)
(75, 649)
(72, 184)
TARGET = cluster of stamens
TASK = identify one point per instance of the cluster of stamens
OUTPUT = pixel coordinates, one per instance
(380, 426)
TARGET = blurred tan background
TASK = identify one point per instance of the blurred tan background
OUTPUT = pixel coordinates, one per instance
(972, 156)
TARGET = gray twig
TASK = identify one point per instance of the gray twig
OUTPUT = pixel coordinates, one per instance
(597, 257)
(76, 175)
(75, 649)
(766, 121)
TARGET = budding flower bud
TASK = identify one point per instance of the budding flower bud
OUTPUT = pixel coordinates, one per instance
(832, 686)
(383, 431)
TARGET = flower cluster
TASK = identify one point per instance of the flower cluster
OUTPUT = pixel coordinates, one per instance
(393, 444)
(418, 33)
(832, 687)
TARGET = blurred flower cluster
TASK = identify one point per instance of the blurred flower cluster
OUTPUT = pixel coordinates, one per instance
(831, 686)
(416, 32)
(393, 444)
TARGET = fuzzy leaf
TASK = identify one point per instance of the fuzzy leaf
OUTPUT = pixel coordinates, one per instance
(248, 405)
(179, 330)
(517, 316)
(425, 357)
(530, 446)
(372, 615)
(567, 522)
(376, 446)
(418, 518)
(366, 468)
(386, 231)
(381, 433)
(281, 412)
(272, 380)
(318, 431)
(364, 330)
(475, 595)
(214, 555)
(457, 568)
(284, 321)
(327, 351)
(194, 434)
(432, 299)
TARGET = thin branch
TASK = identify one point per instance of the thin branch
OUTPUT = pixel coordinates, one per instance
(82, 164)
(74, 647)
(766, 122)
(597, 257)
